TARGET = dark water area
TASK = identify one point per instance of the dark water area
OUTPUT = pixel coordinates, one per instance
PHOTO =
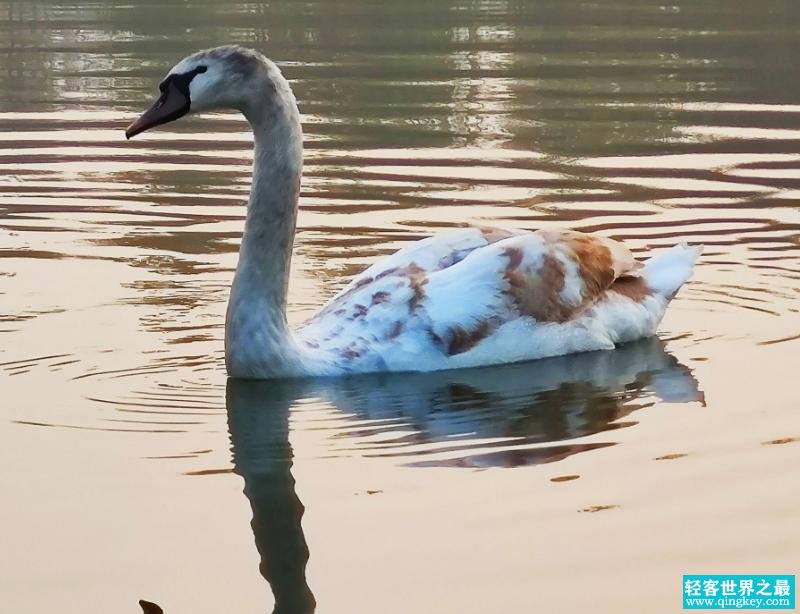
(126, 451)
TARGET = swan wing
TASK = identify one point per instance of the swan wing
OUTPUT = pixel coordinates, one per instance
(444, 296)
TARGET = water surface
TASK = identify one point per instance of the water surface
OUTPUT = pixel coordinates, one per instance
(126, 451)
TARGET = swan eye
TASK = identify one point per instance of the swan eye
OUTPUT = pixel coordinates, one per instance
(181, 80)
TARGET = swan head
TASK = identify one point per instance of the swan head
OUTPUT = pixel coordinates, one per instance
(226, 77)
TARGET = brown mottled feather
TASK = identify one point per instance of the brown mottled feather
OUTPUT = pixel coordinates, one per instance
(634, 288)
(462, 340)
(594, 263)
(493, 235)
(536, 292)
(418, 278)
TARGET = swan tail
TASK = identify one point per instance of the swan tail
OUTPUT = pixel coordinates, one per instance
(668, 270)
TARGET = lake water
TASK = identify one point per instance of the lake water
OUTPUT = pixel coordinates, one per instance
(133, 470)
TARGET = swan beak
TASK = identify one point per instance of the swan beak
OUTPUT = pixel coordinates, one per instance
(172, 105)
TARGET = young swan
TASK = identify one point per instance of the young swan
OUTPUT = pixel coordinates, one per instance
(476, 296)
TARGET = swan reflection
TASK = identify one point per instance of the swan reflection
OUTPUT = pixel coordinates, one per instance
(520, 408)
(258, 420)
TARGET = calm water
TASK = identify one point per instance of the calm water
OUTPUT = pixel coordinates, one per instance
(124, 449)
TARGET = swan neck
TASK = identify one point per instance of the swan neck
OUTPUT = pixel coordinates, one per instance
(272, 208)
(256, 329)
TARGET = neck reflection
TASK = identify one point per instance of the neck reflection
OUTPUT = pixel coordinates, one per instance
(258, 420)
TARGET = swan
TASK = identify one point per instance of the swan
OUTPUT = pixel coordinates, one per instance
(471, 297)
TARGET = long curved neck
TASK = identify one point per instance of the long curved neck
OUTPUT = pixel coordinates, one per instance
(257, 338)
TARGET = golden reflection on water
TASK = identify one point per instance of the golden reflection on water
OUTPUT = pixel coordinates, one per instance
(652, 124)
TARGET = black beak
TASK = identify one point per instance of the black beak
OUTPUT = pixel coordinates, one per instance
(172, 105)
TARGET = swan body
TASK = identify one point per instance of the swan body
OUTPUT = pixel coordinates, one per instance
(472, 297)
